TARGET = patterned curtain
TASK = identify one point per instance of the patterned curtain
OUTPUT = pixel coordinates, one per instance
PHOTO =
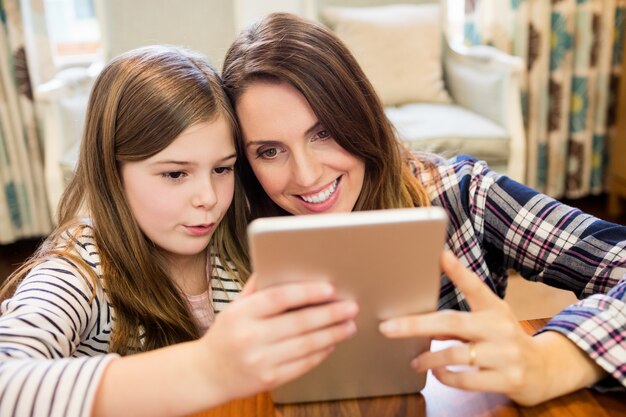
(572, 50)
(23, 205)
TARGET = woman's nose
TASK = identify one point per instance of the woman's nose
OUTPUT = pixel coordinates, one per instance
(307, 168)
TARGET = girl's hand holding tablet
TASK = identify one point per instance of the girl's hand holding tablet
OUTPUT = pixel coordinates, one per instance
(268, 337)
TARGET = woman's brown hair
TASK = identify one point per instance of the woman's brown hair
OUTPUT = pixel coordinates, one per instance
(285, 48)
(140, 102)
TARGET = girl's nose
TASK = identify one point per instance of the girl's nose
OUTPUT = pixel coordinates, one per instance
(205, 196)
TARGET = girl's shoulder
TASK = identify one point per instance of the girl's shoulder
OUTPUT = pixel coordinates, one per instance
(72, 258)
(80, 240)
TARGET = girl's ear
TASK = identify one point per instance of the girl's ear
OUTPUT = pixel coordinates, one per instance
(250, 286)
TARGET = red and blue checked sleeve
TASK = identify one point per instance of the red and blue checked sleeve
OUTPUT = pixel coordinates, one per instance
(497, 225)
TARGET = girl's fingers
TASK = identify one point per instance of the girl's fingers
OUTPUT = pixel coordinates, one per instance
(293, 369)
(478, 294)
(250, 286)
(278, 299)
(307, 319)
(299, 347)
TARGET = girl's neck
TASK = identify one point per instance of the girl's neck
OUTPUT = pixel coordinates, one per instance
(191, 273)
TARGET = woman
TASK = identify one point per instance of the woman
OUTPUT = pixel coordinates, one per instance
(315, 140)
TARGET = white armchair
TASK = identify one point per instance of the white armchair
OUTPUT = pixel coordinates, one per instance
(443, 99)
(62, 104)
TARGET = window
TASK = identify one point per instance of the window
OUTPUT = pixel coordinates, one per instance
(456, 20)
(73, 32)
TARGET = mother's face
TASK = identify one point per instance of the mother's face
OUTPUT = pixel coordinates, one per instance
(299, 165)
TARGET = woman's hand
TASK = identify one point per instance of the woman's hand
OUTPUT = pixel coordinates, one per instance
(503, 358)
(268, 337)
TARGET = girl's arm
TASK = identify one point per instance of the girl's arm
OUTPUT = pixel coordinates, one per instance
(258, 342)
(53, 343)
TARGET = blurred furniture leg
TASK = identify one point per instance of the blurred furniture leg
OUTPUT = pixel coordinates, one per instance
(617, 170)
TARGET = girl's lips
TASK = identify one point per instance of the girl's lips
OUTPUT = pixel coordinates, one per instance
(200, 229)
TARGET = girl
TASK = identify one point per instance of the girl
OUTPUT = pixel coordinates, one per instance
(110, 315)
(315, 140)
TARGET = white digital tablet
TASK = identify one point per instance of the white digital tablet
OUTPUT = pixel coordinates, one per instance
(385, 260)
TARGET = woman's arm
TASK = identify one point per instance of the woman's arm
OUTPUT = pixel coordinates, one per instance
(498, 224)
(507, 360)
(258, 342)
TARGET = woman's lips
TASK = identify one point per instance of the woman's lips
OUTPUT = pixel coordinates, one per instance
(321, 196)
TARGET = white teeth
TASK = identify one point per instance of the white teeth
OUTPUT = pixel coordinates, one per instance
(322, 196)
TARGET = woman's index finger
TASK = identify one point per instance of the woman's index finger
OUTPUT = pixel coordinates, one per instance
(476, 292)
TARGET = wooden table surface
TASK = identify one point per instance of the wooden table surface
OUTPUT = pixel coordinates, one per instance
(435, 399)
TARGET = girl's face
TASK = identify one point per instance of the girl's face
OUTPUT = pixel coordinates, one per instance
(298, 163)
(179, 195)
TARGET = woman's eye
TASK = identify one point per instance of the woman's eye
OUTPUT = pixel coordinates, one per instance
(322, 134)
(224, 170)
(269, 153)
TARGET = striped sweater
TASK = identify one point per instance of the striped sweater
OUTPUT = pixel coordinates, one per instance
(54, 339)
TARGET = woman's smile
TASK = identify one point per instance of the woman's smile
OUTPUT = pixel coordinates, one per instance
(295, 158)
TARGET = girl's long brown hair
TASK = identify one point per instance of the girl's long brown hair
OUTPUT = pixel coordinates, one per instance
(286, 48)
(139, 104)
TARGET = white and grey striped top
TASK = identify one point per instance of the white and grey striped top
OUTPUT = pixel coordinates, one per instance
(54, 338)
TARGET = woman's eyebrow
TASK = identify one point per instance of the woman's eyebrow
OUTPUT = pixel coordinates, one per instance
(262, 142)
(317, 125)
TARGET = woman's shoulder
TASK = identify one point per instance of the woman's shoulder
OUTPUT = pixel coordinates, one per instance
(442, 176)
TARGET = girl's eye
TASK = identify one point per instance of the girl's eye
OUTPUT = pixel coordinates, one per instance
(174, 175)
(224, 170)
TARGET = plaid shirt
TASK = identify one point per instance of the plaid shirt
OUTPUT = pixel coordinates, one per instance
(497, 224)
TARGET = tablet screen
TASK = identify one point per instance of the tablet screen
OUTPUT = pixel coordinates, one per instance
(385, 260)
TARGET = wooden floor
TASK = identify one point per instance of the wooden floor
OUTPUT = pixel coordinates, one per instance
(528, 299)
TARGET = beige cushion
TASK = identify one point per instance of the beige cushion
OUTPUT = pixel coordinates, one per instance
(398, 47)
(449, 130)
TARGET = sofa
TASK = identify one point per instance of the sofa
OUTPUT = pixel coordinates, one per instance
(443, 98)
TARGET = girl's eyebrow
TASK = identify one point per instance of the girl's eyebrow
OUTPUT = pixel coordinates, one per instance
(308, 132)
(175, 162)
(231, 156)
